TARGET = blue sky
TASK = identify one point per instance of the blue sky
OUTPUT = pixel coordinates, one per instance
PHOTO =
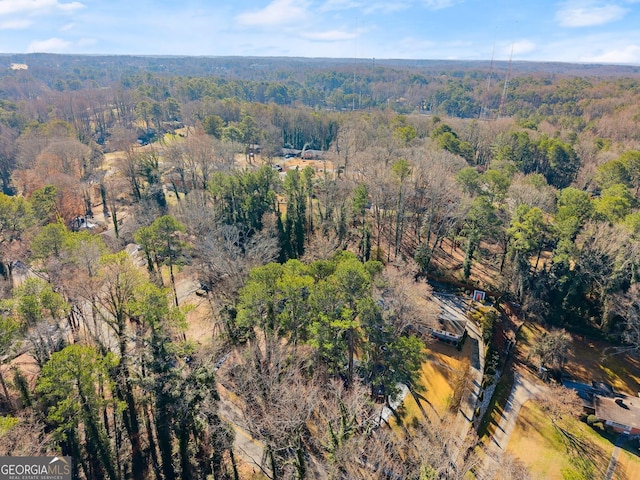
(582, 31)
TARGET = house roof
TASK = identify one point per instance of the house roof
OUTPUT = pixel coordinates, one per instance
(585, 391)
(621, 410)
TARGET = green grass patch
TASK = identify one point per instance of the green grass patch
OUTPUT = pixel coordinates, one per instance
(580, 453)
(628, 462)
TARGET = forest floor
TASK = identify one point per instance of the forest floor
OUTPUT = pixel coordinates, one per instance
(448, 261)
(589, 360)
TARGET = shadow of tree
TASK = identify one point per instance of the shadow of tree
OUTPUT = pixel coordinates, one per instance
(590, 459)
(419, 398)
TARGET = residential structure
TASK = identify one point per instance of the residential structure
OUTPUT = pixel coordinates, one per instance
(619, 412)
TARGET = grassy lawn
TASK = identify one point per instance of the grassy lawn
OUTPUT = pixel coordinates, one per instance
(628, 462)
(545, 451)
(437, 371)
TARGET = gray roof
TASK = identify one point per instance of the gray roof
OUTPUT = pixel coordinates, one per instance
(621, 410)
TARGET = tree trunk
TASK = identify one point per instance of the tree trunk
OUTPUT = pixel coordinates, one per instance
(234, 467)
(505, 249)
(183, 446)
(97, 440)
(399, 215)
(538, 258)
(114, 218)
(132, 425)
(152, 443)
(163, 432)
(351, 342)
(6, 392)
(175, 190)
(173, 284)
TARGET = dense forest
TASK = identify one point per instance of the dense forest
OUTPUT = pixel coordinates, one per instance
(299, 200)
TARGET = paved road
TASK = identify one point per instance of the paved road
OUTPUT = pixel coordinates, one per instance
(613, 463)
(522, 391)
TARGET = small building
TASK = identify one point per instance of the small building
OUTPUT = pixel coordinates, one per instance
(621, 413)
(290, 152)
(447, 337)
(19, 66)
(452, 322)
(82, 223)
(311, 154)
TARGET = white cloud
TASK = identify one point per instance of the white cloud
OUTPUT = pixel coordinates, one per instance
(413, 47)
(368, 7)
(51, 45)
(278, 12)
(330, 36)
(333, 5)
(588, 13)
(386, 7)
(624, 55)
(622, 47)
(69, 7)
(15, 24)
(523, 46)
(417, 44)
(8, 7)
(440, 4)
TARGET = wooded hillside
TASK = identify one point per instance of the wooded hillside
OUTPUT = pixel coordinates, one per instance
(284, 194)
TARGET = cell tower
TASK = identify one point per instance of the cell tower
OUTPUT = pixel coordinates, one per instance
(484, 111)
(506, 84)
(355, 66)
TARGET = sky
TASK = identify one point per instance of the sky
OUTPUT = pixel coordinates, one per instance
(577, 31)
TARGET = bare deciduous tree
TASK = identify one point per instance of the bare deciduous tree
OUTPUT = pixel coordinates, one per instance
(552, 349)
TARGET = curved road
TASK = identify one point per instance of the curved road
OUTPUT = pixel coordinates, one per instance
(522, 391)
